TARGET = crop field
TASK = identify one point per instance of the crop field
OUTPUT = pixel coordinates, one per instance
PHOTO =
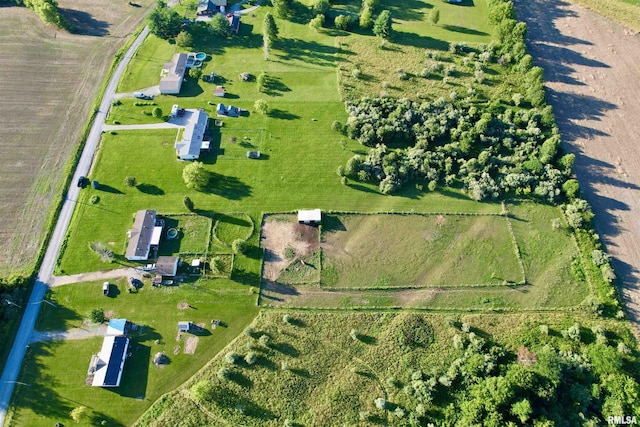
(56, 370)
(49, 80)
(329, 368)
(428, 261)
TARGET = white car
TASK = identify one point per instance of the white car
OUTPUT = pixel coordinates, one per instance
(149, 267)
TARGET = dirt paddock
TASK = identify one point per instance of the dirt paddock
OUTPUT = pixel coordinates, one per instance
(282, 232)
(592, 68)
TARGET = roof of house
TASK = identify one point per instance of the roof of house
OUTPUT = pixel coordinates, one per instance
(205, 5)
(184, 326)
(167, 265)
(140, 236)
(219, 91)
(111, 361)
(173, 73)
(117, 327)
(219, 2)
(191, 142)
(314, 215)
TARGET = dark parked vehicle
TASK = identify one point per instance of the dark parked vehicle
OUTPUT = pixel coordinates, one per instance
(136, 283)
(83, 182)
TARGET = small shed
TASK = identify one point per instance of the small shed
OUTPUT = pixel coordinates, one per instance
(184, 326)
(167, 266)
(219, 92)
(253, 154)
(312, 216)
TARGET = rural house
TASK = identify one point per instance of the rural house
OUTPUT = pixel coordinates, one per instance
(173, 74)
(313, 216)
(118, 327)
(205, 7)
(230, 111)
(106, 366)
(144, 235)
(192, 142)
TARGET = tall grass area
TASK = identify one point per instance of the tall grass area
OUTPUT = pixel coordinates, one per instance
(329, 368)
(55, 371)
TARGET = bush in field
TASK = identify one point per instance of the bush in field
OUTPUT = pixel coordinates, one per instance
(337, 126)
(434, 16)
(231, 358)
(354, 334)
(130, 181)
(264, 341)
(282, 8)
(578, 213)
(79, 414)
(195, 73)
(380, 402)
(261, 106)
(383, 25)
(342, 22)
(269, 27)
(102, 250)
(251, 358)
(261, 81)
(366, 18)
(97, 315)
(157, 112)
(321, 6)
(239, 246)
(202, 390)
(317, 22)
(188, 203)
(217, 265)
(224, 373)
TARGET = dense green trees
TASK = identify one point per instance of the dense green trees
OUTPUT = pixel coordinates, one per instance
(282, 8)
(164, 22)
(486, 385)
(493, 152)
(269, 28)
(220, 25)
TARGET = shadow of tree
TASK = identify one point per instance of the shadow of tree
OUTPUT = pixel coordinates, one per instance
(81, 22)
(150, 189)
(277, 113)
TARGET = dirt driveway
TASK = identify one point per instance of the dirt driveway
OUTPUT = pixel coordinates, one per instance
(592, 68)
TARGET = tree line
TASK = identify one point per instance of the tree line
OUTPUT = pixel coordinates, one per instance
(47, 10)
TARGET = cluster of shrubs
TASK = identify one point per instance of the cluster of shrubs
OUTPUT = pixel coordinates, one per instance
(579, 382)
(492, 152)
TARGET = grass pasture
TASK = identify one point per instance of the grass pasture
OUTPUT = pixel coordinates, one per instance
(49, 79)
(386, 251)
(55, 370)
(444, 262)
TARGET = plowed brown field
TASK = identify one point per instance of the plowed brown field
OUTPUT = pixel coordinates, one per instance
(592, 68)
(48, 81)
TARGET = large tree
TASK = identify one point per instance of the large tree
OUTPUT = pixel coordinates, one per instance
(382, 26)
(164, 22)
(220, 25)
(269, 27)
(195, 176)
(282, 8)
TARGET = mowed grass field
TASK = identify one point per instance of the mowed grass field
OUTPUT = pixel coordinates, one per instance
(49, 79)
(364, 251)
(55, 371)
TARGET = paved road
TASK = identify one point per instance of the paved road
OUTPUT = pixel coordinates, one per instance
(44, 278)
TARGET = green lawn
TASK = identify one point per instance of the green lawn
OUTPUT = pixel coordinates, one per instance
(55, 371)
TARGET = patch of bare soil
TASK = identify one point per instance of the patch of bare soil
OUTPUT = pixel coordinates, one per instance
(190, 345)
(278, 235)
(414, 297)
(592, 68)
(183, 305)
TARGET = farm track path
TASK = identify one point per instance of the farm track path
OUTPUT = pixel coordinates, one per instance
(592, 71)
(70, 334)
(45, 274)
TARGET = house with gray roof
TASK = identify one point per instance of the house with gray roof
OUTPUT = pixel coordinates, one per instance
(173, 74)
(192, 141)
(141, 236)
